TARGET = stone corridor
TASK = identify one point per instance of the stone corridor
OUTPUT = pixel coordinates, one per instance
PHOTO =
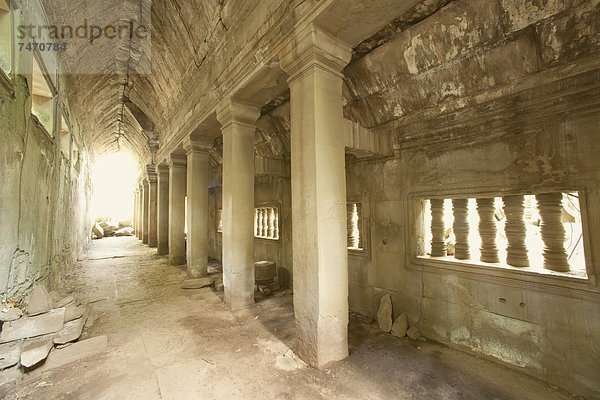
(165, 342)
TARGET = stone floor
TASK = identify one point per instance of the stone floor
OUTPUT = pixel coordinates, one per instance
(169, 343)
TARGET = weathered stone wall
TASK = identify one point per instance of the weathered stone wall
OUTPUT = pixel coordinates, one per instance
(484, 96)
(43, 197)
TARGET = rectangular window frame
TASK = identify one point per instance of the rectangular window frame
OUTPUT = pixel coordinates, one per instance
(37, 57)
(6, 77)
(506, 275)
(277, 206)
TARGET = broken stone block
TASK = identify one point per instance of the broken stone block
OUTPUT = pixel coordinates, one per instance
(400, 326)
(124, 232)
(71, 331)
(27, 327)
(35, 351)
(10, 314)
(384, 314)
(98, 231)
(73, 312)
(264, 271)
(75, 352)
(196, 283)
(413, 333)
(10, 353)
(39, 301)
(65, 301)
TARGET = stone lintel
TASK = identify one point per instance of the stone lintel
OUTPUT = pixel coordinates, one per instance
(311, 46)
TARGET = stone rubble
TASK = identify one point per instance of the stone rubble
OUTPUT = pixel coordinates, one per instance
(400, 326)
(384, 313)
(413, 333)
(44, 333)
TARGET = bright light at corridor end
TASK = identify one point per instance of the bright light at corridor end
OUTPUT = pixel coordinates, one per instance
(114, 177)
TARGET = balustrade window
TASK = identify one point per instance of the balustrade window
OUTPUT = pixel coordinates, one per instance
(355, 223)
(533, 232)
(266, 223)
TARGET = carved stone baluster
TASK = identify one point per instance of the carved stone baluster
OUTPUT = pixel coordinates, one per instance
(271, 223)
(260, 222)
(461, 228)
(487, 230)
(553, 231)
(256, 223)
(276, 232)
(265, 222)
(438, 244)
(516, 231)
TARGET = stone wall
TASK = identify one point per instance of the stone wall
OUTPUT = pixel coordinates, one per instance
(43, 196)
(484, 97)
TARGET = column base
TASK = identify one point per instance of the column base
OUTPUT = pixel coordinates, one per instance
(162, 251)
(177, 260)
(239, 302)
(197, 269)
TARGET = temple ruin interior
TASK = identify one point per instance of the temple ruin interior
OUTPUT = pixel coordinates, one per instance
(300, 199)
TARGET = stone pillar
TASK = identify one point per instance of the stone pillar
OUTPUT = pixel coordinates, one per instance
(438, 229)
(152, 204)
(487, 230)
(461, 228)
(314, 61)
(177, 176)
(198, 179)
(162, 229)
(135, 211)
(238, 126)
(145, 211)
(553, 231)
(516, 231)
(140, 199)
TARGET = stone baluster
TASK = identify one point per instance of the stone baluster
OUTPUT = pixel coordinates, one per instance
(265, 222)
(438, 244)
(553, 231)
(256, 223)
(271, 222)
(487, 230)
(276, 231)
(461, 228)
(516, 231)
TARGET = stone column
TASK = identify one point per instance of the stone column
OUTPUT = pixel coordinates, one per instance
(438, 229)
(177, 176)
(314, 61)
(516, 231)
(152, 204)
(140, 199)
(162, 229)
(145, 210)
(198, 179)
(553, 231)
(135, 211)
(487, 230)
(238, 126)
(461, 228)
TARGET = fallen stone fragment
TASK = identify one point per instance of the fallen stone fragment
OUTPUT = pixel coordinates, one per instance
(9, 354)
(384, 314)
(400, 326)
(39, 301)
(219, 287)
(70, 332)
(413, 333)
(98, 231)
(75, 352)
(27, 327)
(65, 301)
(196, 283)
(35, 351)
(73, 312)
(10, 314)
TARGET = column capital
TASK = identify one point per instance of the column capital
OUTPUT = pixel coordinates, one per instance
(313, 46)
(162, 169)
(197, 144)
(233, 110)
(176, 160)
(151, 173)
